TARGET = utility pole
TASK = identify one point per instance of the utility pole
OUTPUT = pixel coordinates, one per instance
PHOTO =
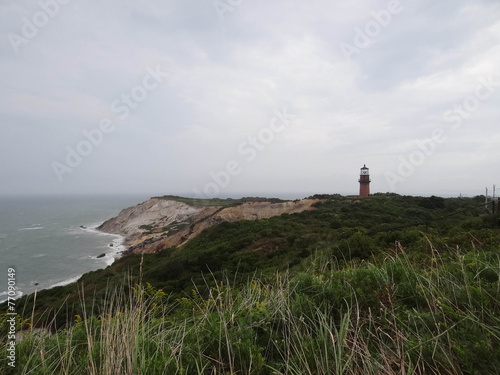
(486, 199)
(493, 200)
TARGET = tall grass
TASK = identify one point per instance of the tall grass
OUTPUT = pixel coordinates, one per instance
(388, 316)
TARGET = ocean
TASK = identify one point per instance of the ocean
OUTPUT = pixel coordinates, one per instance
(41, 238)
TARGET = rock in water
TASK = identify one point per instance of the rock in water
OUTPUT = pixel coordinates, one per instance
(101, 256)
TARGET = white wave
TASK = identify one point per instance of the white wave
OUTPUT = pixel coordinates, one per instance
(4, 296)
(117, 242)
(65, 282)
(31, 228)
(118, 248)
(92, 228)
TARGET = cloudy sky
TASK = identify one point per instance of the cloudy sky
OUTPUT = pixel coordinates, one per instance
(249, 97)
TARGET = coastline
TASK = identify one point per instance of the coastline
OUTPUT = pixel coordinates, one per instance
(41, 238)
(108, 258)
(116, 244)
(114, 251)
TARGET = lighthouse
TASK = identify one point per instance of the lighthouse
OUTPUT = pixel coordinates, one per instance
(364, 182)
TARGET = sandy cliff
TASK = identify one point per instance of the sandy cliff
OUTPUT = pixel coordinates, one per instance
(167, 222)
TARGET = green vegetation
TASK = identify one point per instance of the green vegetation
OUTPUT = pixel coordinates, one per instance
(387, 284)
(176, 227)
(146, 227)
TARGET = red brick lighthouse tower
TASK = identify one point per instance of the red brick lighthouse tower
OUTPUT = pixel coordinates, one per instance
(364, 182)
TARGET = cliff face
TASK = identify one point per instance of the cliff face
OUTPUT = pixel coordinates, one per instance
(173, 223)
(155, 212)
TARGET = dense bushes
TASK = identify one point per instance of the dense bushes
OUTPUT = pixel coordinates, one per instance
(385, 316)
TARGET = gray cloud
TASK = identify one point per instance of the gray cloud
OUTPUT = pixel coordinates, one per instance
(226, 78)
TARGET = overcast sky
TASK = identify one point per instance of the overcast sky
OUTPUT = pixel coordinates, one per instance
(249, 97)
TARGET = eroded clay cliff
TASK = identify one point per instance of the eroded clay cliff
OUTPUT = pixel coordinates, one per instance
(160, 223)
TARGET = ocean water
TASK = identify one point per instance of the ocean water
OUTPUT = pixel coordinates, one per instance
(41, 238)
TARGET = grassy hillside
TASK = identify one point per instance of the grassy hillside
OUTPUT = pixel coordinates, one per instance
(385, 284)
